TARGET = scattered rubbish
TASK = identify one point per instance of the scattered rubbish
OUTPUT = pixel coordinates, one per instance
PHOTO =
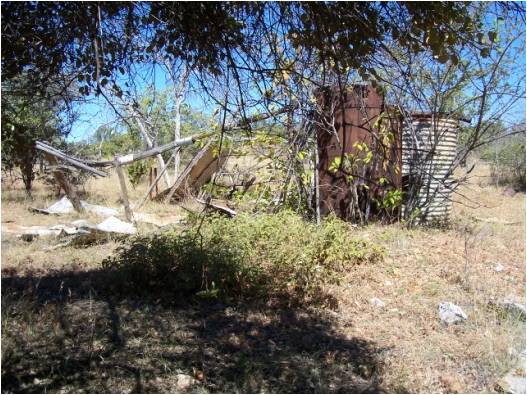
(115, 225)
(64, 206)
(499, 267)
(377, 302)
(80, 231)
(450, 313)
(25, 232)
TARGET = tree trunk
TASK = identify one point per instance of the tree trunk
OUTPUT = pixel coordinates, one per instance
(180, 96)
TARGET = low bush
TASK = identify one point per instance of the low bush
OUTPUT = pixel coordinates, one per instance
(269, 255)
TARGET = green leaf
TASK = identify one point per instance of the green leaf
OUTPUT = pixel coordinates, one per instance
(492, 36)
(485, 52)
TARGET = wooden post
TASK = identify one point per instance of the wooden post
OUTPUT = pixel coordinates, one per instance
(71, 193)
(124, 193)
(155, 177)
(150, 183)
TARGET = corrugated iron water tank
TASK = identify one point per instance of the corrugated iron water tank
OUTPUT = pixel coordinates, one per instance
(429, 146)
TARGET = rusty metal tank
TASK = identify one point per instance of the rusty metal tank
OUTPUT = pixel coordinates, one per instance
(349, 119)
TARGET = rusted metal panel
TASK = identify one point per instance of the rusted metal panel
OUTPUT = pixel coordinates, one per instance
(348, 119)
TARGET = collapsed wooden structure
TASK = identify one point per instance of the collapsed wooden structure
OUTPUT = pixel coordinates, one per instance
(198, 172)
(52, 154)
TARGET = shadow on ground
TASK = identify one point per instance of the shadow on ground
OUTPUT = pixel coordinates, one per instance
(71, 333)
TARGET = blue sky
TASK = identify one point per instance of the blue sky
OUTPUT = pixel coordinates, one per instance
(97, 112)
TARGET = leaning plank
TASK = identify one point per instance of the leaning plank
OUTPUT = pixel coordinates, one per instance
(219, 208)
(61, 155)
(61, 179)
(196, 174)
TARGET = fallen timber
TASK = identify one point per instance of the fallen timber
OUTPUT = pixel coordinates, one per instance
(198, 172)
(52, 154)
(78, 163)
(89, 165)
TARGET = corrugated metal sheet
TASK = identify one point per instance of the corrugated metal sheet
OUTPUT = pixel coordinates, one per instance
(428, 152)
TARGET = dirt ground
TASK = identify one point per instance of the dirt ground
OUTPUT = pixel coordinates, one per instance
(64, 330)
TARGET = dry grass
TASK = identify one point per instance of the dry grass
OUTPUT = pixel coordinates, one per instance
(427, 266)
(63, 330)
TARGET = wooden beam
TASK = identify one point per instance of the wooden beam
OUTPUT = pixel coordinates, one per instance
(124, 160)
(71, 193)
(221, 209)
(66, 158)
(124, 192)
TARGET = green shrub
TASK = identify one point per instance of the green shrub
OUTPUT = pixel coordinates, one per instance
(138, 170)
(269, 255)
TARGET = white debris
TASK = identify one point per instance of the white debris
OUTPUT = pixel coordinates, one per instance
(514, 384)
(377, 302)
(81, 230)
(499, 267)
(34, 230)
(115, 225)
(184, 382)
(99, 210)
(81, 223)
(450, 313)
(64, 206)
(388, 283)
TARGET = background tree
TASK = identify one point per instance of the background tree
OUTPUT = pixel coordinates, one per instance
(25, 120)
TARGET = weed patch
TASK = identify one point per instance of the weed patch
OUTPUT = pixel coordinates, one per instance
(249, 257)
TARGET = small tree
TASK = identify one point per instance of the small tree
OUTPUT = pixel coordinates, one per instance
(24, 121)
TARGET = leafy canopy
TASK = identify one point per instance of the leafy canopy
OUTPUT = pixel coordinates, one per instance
(100, 40)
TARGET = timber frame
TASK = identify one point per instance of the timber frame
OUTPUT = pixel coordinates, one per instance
(52, 154)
